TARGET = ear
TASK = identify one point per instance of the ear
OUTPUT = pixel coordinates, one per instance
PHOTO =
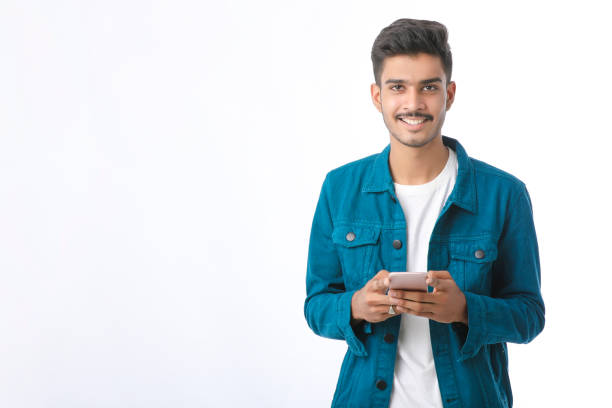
(451, 88)
(375, 91)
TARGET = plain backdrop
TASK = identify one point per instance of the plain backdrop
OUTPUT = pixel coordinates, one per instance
(160, 163)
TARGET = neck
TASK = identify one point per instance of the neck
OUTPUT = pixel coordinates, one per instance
(417, 165)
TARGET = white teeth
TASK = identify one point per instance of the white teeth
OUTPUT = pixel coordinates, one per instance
(412, 121)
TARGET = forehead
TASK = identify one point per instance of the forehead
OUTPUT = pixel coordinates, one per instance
(412, 67)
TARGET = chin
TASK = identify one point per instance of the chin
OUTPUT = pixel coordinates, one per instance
(415, 141)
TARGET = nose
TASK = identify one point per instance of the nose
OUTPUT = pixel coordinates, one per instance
(412, 100)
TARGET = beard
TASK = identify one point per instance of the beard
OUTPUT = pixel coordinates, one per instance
(416, 141)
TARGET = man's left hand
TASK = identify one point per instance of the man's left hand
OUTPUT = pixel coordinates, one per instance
(446, 304)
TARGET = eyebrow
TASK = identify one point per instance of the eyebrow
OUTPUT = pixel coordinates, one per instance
(423, 82)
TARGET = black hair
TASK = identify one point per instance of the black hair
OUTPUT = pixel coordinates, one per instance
(410, 37)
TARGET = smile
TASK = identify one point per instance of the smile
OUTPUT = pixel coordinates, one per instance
(413, 121)
(413, 124)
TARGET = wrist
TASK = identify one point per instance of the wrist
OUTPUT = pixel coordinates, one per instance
(464, 316)
(464, 313)
(355, 316)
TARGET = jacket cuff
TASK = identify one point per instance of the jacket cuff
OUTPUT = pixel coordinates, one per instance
(344, 325)
(472, 341)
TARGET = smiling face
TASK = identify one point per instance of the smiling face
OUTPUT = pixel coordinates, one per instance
(413, 98)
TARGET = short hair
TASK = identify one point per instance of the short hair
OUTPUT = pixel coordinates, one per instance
(410, 37)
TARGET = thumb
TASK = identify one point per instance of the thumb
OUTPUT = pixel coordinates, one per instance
(383, 273)
(439, 279)
(380, 282)
(439, 275)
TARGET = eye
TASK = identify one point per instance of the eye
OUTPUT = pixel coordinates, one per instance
(430, 88)
(396, 87)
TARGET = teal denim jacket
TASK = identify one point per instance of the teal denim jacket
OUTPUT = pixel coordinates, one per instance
(484, 236)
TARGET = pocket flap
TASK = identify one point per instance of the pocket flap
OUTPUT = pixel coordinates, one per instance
(479, 251)
(352, 236)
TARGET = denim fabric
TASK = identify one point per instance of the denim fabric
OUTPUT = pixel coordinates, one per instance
(484, 236)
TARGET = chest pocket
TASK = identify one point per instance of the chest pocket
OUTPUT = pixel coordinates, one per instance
(471, 264)
(357, 247)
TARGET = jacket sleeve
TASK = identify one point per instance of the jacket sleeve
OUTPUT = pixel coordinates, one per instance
(515, 311)
(327, 307)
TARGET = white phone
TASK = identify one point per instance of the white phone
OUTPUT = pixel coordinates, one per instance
(408, 281)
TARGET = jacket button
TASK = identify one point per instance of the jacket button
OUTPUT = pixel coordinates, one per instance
(397, 244)
(350, 236)
(479, 254)
(389, 337)
(381, 385)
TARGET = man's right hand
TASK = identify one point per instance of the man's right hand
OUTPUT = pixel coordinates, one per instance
(371, 303)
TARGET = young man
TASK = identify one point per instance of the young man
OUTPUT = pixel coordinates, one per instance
(422, 205)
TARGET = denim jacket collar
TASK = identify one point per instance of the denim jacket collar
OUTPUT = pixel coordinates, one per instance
(464, 193)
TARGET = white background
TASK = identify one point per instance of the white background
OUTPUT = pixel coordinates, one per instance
(160, 164)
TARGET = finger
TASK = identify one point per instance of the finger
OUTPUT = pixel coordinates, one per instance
(412, 295)
(416, 306)
(380, 313)
(380, 285)
(429, 315)
(440, 279)
(439, 274)
(383, 273)
(375, 299)
(440, 284)
(384, 310)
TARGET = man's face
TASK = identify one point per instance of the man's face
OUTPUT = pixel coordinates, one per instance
(413, 98)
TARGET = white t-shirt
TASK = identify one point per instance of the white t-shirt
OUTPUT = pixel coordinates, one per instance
(415, 383)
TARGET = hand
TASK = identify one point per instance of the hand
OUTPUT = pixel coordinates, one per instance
(371, 303)
(446, 304)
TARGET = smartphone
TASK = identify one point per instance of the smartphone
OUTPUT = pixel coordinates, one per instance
(408, 281)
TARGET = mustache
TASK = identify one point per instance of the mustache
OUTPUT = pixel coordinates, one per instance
(415, 115)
